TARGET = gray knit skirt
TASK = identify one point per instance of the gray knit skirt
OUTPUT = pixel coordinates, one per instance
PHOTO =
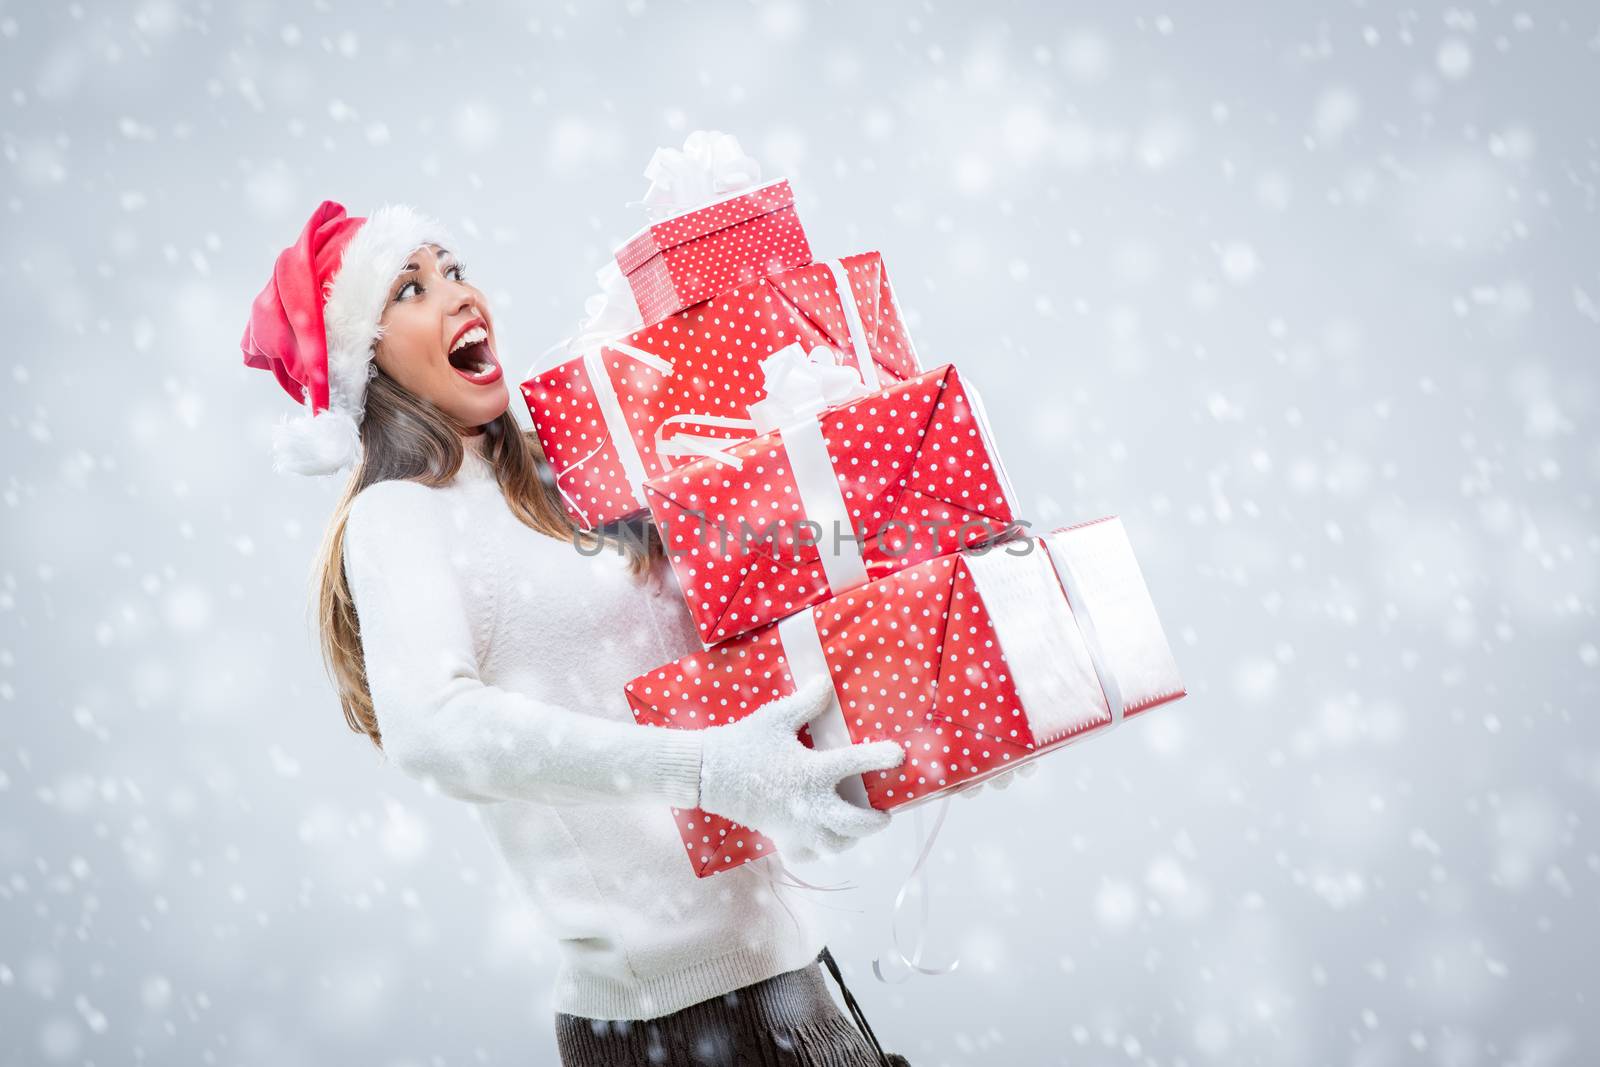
(788, 1020)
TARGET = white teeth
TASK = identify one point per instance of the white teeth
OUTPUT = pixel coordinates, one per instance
(472, 336)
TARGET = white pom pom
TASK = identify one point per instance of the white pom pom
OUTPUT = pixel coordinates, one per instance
(321, 445)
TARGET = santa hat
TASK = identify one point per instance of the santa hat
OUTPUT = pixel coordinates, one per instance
(316, 322)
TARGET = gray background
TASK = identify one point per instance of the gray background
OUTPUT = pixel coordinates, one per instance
(1307, 294)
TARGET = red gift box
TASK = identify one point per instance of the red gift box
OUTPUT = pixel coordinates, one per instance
(727, 243)
(973, 662)
(888, 480)
(597, 413)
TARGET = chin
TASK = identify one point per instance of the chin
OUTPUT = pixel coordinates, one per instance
(477, 411)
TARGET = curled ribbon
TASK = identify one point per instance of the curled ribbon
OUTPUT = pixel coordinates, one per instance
(786, 876)
(914, 961)
(1087, 573)
(708, 167)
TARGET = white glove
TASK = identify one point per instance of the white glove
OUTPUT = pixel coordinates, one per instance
(758, 772)
(1002, 780)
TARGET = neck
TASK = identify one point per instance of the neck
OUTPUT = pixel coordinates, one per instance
(475, 461)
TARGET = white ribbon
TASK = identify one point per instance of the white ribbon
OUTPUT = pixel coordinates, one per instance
(702, 446)
(822, 503)
(799, 386)
(1078, 605)
(914, 961)
(613, 311)
(852, 321)
(605, 397)
(1028, 614)
(610, 314)
(710, 166)
(1121, 629)
(1037, 629)
(802, 650)
(613, 314)
(787, 876)
(1046, 637)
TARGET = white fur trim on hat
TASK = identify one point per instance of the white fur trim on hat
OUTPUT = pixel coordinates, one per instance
(357, 296)
(321, 444)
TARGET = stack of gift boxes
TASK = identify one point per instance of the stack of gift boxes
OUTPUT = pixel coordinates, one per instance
(831, 506)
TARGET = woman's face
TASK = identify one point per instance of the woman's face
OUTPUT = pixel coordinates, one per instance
(438, 340)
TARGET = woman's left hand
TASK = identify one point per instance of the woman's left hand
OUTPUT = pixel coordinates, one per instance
(1002, 780)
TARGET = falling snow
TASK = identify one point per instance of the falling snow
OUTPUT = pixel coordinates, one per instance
(1306, 294)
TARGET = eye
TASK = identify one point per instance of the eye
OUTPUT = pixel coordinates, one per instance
(460, 272)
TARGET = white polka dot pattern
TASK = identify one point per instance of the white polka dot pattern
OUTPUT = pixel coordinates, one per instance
(914, 658)
(813, 290)
(575, 440)
(702, 690)
(716, 348)
(917, 476)
(686, 259)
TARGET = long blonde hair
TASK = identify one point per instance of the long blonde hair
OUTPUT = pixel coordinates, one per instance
(406, 436)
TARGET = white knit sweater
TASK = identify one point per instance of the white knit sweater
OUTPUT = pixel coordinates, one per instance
(496, 658)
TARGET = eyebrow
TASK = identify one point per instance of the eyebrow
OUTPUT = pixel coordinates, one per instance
(411, 268)
(437, 256)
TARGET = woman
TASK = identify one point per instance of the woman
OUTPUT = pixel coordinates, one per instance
(482, 642)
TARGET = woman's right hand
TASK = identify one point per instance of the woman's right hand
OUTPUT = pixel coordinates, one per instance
(758, 772)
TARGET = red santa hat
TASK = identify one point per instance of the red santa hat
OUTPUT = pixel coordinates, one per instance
(315, 323)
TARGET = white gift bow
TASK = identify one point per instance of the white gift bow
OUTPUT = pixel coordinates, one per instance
(798, 384)
(613, 313)
(866, 369)
(710, 166)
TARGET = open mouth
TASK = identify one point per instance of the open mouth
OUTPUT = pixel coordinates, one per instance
(474, 360)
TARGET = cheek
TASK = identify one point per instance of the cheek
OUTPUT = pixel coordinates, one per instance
(408, 352)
